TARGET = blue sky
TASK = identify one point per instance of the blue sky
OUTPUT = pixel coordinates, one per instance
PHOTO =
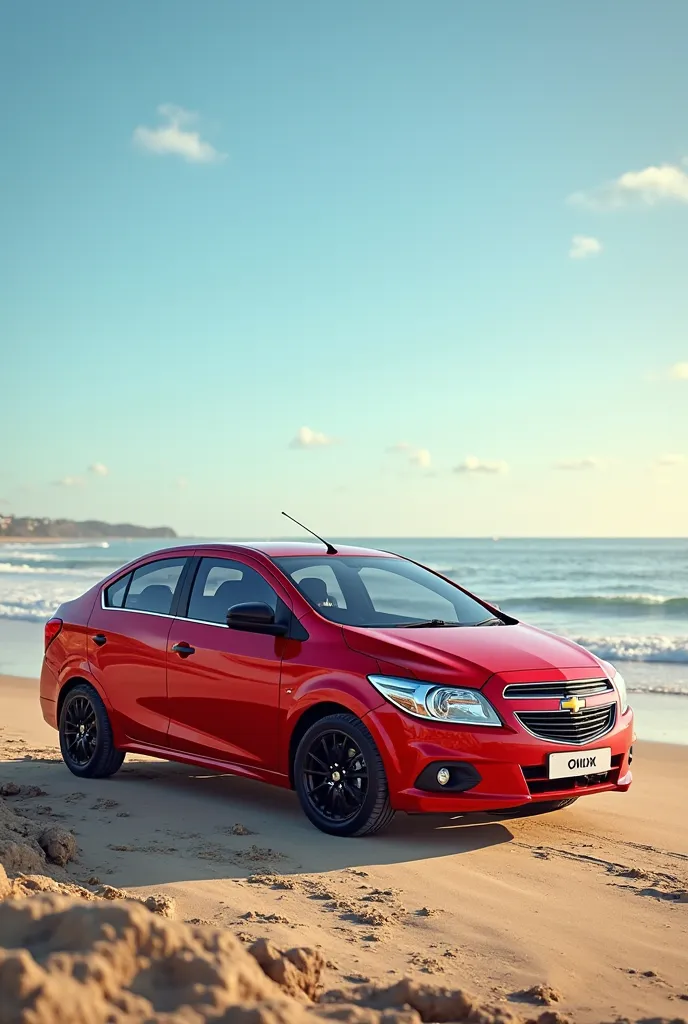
(400, 268)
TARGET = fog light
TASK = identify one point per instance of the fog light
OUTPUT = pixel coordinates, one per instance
(443, 776)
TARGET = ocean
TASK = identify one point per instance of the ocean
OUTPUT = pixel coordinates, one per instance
(624, 599)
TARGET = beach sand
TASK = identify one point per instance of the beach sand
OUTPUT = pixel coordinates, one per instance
(592, 900)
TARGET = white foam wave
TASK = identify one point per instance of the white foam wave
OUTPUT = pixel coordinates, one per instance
(36, 610)
(58, 545)
(670, 649)
(673, 691)
(35, 598)
(21, 568)
(29, 556)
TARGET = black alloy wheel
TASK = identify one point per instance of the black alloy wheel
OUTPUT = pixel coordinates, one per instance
(80, 730)
(340, 778)
(336, 775)
(85, 732)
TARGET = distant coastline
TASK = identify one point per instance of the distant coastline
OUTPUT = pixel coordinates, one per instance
(45, 531)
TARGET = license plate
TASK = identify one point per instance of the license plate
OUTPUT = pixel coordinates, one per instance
(564, 764)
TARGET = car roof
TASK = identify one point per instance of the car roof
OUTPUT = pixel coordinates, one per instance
(285, 548)
(270, 548)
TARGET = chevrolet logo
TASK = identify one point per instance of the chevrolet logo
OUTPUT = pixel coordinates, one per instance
(572, 704)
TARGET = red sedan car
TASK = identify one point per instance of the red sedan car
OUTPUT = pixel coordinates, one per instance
(363, 680)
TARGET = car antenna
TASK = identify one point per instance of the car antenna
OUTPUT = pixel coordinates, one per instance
(331, 549)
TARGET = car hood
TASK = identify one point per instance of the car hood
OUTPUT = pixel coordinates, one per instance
(474, 652)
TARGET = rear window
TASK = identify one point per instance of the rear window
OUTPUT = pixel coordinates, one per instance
(153, 586)
(114, 594)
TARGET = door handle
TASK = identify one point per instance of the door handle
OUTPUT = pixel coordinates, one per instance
(183, 650)
(99, 639)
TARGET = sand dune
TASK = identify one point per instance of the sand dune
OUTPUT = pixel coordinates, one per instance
(586, 909)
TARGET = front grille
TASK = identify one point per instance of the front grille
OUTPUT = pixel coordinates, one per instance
(560, 691)
(584, 726)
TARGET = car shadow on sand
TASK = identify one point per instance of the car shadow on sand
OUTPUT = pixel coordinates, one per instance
(157, 822)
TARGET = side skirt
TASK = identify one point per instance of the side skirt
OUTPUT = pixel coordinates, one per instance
(165, 754)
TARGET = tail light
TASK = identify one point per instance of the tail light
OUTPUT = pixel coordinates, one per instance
(52, 628)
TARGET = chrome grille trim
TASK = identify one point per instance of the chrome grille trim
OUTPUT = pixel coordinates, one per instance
(567, 728)
(559, 690)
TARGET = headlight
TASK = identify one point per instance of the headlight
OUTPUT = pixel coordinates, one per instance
(442, 703)
(620, 684)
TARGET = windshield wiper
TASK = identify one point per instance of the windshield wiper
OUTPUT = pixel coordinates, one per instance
(492, 621)
(428, 623)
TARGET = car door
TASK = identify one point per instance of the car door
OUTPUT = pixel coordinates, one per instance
(223, 684)
(127, 647)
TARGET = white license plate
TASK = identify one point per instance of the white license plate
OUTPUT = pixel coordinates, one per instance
(566, 763)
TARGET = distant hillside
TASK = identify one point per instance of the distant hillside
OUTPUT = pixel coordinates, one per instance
(68, 529)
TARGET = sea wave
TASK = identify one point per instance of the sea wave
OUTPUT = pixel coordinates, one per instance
(23, 569)
(669, 649)
(672, 691)
(28, 609)
(9, 550)
(610, 603)
(51, 546)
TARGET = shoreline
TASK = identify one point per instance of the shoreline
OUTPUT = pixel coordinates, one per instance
(80, 540)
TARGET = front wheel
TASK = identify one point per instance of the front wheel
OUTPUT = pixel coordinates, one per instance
(340, 778)
(86, 735)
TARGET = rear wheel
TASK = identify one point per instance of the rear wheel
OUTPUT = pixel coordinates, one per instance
(340, 778)
(86, 735)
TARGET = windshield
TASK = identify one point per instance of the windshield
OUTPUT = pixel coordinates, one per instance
(380, 591)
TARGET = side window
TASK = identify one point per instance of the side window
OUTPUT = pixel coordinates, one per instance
(221, 583)
(320, 586)
(394, 594)
(114, 594)
(153, 585)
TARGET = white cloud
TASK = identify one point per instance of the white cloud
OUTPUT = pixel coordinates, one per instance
(307, 438)
(671, 460)
(69, 481)
(416, 456)
(651, 185)
(420, 457)
(98, 469)
(583, 246)
(473, 465)
(578, 464)
(679, 371)
(173, 138)
(182, 483)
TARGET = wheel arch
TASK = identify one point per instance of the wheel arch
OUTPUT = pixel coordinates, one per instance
(309, 717)
(69, 685)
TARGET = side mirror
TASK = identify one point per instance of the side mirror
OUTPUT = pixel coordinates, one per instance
(255, 617)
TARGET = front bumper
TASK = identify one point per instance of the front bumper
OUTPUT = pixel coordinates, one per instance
(512, 764)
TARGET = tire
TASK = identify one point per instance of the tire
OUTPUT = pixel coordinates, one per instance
(530, 810)
(357, 805)
(83, 714)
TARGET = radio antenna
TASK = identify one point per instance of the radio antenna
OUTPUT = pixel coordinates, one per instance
(331, 549)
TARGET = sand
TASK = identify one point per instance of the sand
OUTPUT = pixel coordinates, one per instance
(585, 910)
